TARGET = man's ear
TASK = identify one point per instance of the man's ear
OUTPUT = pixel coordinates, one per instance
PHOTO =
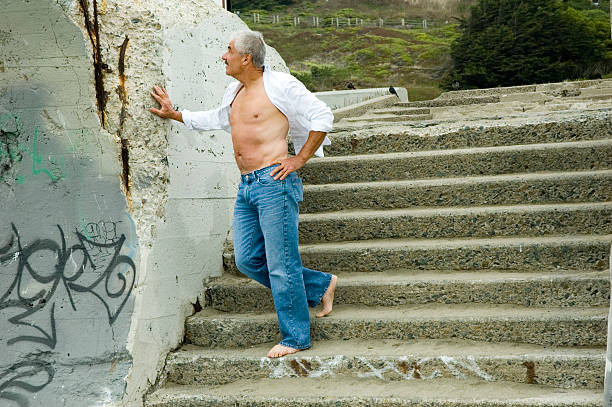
(246, 59)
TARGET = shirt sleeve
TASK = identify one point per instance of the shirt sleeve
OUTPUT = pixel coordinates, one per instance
(215, 119)
(206, 120)
(306, 104)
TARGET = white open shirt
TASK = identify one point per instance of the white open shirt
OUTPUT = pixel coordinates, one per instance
(303, 110)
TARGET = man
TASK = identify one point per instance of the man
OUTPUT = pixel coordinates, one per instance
(259, 110)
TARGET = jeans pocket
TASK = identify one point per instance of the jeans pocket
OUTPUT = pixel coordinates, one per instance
(268, 181)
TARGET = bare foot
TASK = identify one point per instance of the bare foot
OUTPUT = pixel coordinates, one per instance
(328, 298)
(279, 350)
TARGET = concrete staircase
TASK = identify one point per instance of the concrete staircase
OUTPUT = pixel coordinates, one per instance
(473, 261)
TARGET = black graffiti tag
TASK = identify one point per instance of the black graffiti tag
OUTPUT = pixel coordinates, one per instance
(108, 278)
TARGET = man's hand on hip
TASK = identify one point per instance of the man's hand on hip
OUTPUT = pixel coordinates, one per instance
(287, 166)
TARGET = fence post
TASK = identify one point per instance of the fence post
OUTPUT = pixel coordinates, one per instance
(403, 22)
(381, 22)
(337, 22)
(424, 24)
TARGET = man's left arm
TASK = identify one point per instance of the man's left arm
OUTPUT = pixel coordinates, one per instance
(319, 116)
(290, 164)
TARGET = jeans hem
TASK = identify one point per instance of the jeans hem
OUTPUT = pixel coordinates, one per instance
(295, 347)
(324, 291)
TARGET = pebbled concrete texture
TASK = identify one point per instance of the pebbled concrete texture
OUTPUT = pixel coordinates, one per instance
(442, 102)
(545, 188)
(346, 392)
(568, 156)
(186, 368)
(394, 139)
(440, 223)
(402, 288)
(549, 327)
(588, 253)
(101, 208)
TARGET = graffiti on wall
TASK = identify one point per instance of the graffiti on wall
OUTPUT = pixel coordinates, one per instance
(12, 151)
(92, 266)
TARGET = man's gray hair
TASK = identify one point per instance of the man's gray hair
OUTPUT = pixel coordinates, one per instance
(252, 43)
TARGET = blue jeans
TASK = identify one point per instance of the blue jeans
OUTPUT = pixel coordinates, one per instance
(266, 250)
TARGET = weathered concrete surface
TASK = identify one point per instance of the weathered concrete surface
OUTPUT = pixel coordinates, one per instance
(440, 223)
(357, 392)
(514, 189)
(527, 130)
(566, 156)
(392, 360)
(339, 99)
(480, 322)
(362, 107)
(69, 257)
(111, 217)
(564, 289)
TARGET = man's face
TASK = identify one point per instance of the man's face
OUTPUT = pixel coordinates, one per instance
(233, 60)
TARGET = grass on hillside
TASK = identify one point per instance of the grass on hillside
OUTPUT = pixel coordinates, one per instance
(364, 57)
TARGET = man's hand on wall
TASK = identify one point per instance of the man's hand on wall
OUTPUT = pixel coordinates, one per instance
(166, 111)
(287, 166)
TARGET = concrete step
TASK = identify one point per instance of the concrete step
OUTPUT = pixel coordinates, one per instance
(478, 322)
(401, 110)
(459, 94)
(396, 138)
(239, 294)
(453, 222)
(567, 156)
(513, 189)
(357, 392)
(521, 254)
(468, 100)
(391, 361)
(384, 118)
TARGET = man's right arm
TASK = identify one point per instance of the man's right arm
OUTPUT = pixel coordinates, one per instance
(214, 119)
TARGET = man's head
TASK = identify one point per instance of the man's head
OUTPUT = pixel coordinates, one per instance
(246, 50)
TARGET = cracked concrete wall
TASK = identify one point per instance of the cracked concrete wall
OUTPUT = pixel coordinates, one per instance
(111, 217)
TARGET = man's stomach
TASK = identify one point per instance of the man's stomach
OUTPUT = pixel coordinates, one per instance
(254, 156)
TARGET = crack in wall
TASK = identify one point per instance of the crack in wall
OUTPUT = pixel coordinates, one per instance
(94, 37)
(121, 91)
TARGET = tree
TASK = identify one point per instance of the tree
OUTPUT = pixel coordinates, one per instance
(515, 42)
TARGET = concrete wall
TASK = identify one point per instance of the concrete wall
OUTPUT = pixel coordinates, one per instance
(110, 218)
(337, 99)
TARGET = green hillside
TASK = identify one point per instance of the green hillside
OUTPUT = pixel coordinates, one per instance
(339, 44)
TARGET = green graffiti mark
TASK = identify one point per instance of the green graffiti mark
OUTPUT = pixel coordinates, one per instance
(37, 159)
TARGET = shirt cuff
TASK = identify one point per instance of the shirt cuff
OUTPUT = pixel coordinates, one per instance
(186, 115)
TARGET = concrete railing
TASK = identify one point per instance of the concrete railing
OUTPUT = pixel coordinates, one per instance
(337, 99)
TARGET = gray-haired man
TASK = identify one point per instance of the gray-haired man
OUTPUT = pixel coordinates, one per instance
(259, 110)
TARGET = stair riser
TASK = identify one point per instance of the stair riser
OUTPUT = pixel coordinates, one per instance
(556, 372)
(594, 128)
(451, 102)
(455, 165)
(557, 293)
(391, 119)
(579, 189)
(540, 257)
(238, 333)
(402, 111)
(245, 401)
(557, 222)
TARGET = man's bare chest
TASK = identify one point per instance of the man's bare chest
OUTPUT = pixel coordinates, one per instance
(253, 107)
